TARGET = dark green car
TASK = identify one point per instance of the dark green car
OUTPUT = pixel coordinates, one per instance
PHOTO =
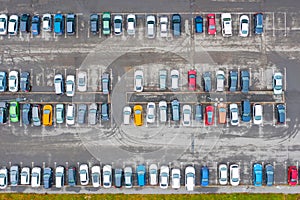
(14, 111)
(106, 23)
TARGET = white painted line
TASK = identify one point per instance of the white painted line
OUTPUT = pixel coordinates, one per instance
(250, 76)
(274, 120)
(285, 83)
(273, 24)
(77, 28)
(89, 28)
(43, 77)
(285, 33)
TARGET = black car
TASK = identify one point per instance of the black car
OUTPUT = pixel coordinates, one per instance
(24, 23)
(94, 23)
(176, 25)
(3, 112)
(24, 82)
(26, 114)
(72, 176)
(47, 177)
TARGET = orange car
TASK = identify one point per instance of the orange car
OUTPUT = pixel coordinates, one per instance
(222, 113)
(47, 115)
(138, 115)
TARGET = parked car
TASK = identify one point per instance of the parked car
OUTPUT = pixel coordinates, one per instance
(176, 25)
(59, 176)
(233, 80)
(84, 174)
(138, 115)
(106, 18)
(81, 113)
(269, 174)
(59, 24)
(257, 174)
(220, 80)
(131, 24)
(93, 114)
(14, 111)
(234, 174)
(246, 111)
(94, 23)
(47, 22)
(13, 25)
(118, 24)
(199, 112)
(35, 25)
(187, 113)
(234, 114)
(207, 81)
(280, 113)
(3, 24)
(222, 108)
(107, 176)
(3, 81)
(70, 85)
(138, 81)
(36, 115)
(258, 23)
(163, 111)
(277, 83)
(47, 115)
(257, 114)
(59, 84)
(245, 81)
(223, 174)
(209, 115)
(24, 23)
(25, 176)
(175, 178)
(244, 26)
(3, 178)
(47, 177)
(104, 112)
(141, 175)
(292, 175)
(126, 115)
(164, 177)
(151, 26)
(128, 177)
(24, 82)
(162, 79)
(198, 24)
(72, 176)
(226, 24)
(14, 175)
(13, 81)
(71, 24)
(175, 110)
(118, 177)
(96, 176)
(174, 79)
(3, 112)
(164, 26)
(153, 174)
(151, 112)
(60, 113)
(70, 118)
(190, 178)
(211, 24)
(82, 81)
(105, 83)
(192, 83)
(36, 177)
(204, 176)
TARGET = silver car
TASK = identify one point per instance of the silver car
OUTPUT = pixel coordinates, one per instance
(174, 79)
(128, 177)
(105, 83)
(82, 81)
(14, 175)
(81, 113)
(93, 114)
(126, 115)
(162, 79)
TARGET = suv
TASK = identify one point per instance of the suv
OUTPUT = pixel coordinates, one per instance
(94, 23)
(281, 113)
(141, 175)
(162, 79)
(59, 84)
(246, 111)
(59, 24)
(151, 26)
(93, 114)
(71, 21)
(118, 177)
(245, 81)
(47, 177)
(26, 113)
(81, 113)
(106, 23)
(175, 110)
(24, 23)
(233, 81)
(104, 112)
(198, 113)
(176, 25)
(258, 23)
(105, 83)
(226, 24)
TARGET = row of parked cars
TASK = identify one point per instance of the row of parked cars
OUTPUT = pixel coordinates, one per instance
(220, 78)
(43, 115)
(197, 113)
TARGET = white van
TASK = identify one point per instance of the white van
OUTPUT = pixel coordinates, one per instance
(226, 24)
(59, 84)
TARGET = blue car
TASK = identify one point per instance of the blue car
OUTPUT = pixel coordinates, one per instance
(258, 23)
(246, 111)
(47, 177)
(198, 113)
(269, 175)
(204, 176)
(281, 113)
(198, 24)
(35, 25)
(175, 110)
(245, 81)
(3, 81)
(257, 174)
(59, 24)
(233, 81)
(207, 81)
(104, 112)
(141, 175)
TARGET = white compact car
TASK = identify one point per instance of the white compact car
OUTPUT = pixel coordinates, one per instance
(118, 20)
(257, 114)
(47, 22)
(174, 79)
(13, 81)
(234, 114)
(36, 177)
(84, 174)
(96, 176)
(234, 174)
(151, 26)
(25, 176)
(70, 118)
(153, 174)
(3, 178)
(107, 176)
(70, 85)
(59, 177)
(138, 81)
(82, 81)
(163, 109)
(220, 75)
(175, 175)
(164, 177)
(150, 112)
(131, 23)
(277, 83)
(189, 178)
(223, 174)
(244, 26)
(163, 26)
(3, 24)
(187, 113)
(13, 25)
(126, 115)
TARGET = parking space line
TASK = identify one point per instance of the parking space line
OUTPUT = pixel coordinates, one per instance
(274, 120)
(99, 85)
(250, 76)
(273, 24)
(77, 24)
(285, 85)
(43, 77)
(285, 31)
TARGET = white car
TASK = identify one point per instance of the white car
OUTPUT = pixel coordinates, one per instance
(107, 176)
(118, 20)
(150, 112)
(96, 176)
(163, 26)
(223, 174)
(131, 23)
(174, 79)
(164, 177)
(151, 26)
(220, 80)
(175, 178)
(13, 25)
(25, 176)
(70, 118)
(257, 114)
(234, 174)
(3, 178)
(70, 85)
(163, 109)
(82, 81)
(84, 174)
(189, 178)
(126, 115)
(59, 177)
(277, 83)
(3, 24)
(244, 26)
(153, 174)
(187, 113)
(138, 81)
(128, 177)
(47, 22)
(226, 24)
(36, 177)
(13, 81)
(234, 114)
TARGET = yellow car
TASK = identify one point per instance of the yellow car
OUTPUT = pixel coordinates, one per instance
(138, 115)
(47, 115)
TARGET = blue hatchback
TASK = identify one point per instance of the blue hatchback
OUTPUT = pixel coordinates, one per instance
(246, 111)
(233, 81)
(258, 23)
(257, 174)
(59, 24)
(281, 113)
(269, 174)
(245, 81)
(3, 83)
(198, 24)
(35, 25)
(204, 176)
(141, 173)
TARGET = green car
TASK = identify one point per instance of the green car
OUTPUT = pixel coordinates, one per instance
(14, 111)
(106, 23)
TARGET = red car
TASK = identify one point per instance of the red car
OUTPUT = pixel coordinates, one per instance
(211, 25)
(209, 115)
(292, 175)
(192, 79)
